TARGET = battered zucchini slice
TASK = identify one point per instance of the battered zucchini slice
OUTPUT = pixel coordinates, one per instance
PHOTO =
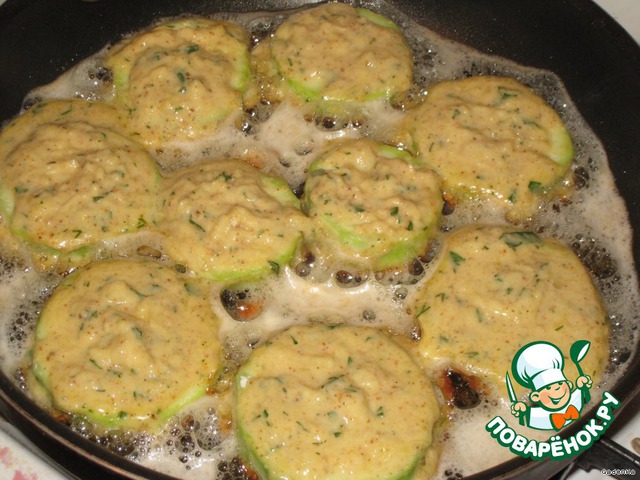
(496, 289)
(493, 141)
(371, 205)
(126, 344)
(335, 53)
(67, 183)
(58, 111)
(181, 79)
(334, 402)
(228, 222)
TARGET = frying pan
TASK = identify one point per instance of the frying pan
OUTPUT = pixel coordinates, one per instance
(597, 61)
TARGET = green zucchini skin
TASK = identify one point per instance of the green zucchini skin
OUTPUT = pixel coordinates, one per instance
(506, 280)
(322, 401)
(495, 142)
(73, 181)
(228, 222)
(180, 80)
(107, 348)
(371, 204)
(333, 60)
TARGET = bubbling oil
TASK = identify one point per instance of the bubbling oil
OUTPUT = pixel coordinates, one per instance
(199, 441)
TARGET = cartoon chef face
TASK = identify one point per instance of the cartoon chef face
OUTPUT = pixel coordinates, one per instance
(553, 397)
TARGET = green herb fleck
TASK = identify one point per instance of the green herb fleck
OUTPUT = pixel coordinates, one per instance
(505, 94)
(137, 332)
(423, 310)
(138, 293)
(87, 315)
(195, 224)
(456, 258)
(182, 79)
(534, 186)
(515, 239)
(332, 380)
(141, 223)
(225, 176)
(275, 267)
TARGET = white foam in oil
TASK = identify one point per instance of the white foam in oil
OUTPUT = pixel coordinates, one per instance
(199, 442)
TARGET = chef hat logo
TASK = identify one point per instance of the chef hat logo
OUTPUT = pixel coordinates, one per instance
(537, 365)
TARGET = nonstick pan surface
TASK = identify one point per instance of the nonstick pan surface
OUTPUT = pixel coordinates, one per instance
(595, 58)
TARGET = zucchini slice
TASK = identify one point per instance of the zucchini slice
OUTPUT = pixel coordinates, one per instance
(69, 183)
(228, 222)
(181, 79)
(333, 402)
(371, 205)
(126, 344)
(518, 286)
(494, 141)
(335, 52)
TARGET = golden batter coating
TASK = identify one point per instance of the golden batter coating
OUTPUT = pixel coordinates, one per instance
(181, 79)
(334, 402)
(228, 222)
(70, 182)
(335, 54)
(494, 142)
(126, 343)
(372, 206)
(496, 289)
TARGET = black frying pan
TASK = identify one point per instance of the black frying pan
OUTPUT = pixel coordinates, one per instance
(597, 61)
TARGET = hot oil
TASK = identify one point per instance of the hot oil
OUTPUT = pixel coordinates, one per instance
(199, 442)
